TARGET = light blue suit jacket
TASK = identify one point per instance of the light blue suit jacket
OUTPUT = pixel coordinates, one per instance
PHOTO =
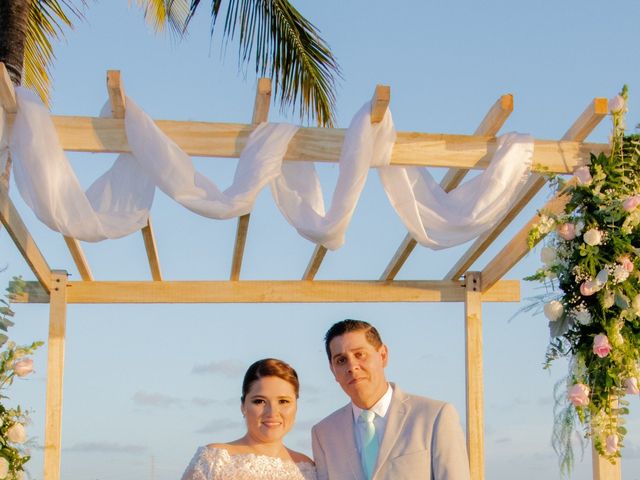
(422, 439)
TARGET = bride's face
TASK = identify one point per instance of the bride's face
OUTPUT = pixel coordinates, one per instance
(270, 409)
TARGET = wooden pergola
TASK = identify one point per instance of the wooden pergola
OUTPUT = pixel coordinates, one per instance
(459, 153)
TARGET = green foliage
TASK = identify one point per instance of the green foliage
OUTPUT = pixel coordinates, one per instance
(596, 269)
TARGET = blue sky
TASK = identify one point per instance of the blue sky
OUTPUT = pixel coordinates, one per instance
(145, 385)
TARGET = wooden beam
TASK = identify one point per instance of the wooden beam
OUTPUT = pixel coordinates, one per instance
(79, 258)
(518, 247)
(399, 258)
(55, 373)
(7, 91)
(90, 134)
(281, 291)
(23, 240)
(260, 114)
(603, 469)
(380, 102)
(588, 120)
(314, 263)
(116, 93)
(474, 374)
(489, 126)
(152, 251)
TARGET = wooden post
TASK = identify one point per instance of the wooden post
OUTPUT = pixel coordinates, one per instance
(55, 370)
(475, 392)
(603, 469)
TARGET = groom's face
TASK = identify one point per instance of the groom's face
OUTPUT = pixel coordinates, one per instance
(359, 367)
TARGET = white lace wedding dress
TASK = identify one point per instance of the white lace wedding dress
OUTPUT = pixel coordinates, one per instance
(210, 463)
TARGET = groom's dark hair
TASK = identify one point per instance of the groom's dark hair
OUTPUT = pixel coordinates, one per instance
(350, 325)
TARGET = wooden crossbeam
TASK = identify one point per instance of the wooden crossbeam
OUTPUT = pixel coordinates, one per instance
(79, 258)
(489, 126)
(597, 109)
(23, 240)
(151, 248)
(117, 100)
(295, 291)
(91, 134)
(7, 92)
(314, 264)
(260, 114)
(379, 106)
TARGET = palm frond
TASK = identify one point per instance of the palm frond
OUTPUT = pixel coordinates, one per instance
(47, 18)
(286, 47)
(159, 13)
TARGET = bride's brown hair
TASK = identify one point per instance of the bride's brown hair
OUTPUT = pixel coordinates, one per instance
(269, 367)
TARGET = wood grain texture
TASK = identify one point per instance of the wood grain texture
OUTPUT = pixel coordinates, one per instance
(79, 258)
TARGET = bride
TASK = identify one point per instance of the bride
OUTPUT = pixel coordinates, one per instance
(268, 403)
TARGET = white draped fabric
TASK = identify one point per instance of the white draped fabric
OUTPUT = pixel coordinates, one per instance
(298, 194)
(439, 219)
(118, 202)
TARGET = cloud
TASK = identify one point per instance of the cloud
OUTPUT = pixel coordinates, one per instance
(106, 447)
(145, 399)
(227, 368)
(503, 440)
(219, 425)
(203, 402)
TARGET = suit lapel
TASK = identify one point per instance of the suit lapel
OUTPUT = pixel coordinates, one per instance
(346, 444)
(396, 417)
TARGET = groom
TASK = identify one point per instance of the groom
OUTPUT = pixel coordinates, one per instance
(383, 433)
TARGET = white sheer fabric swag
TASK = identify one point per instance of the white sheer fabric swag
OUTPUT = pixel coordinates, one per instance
(439, 219)
(298, 193)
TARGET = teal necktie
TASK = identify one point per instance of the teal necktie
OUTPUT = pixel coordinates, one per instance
(369, 442)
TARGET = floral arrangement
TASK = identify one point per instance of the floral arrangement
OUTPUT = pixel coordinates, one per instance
(592, 268)
(14, 362)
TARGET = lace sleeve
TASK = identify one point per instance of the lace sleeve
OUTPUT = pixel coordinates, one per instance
(204, 465)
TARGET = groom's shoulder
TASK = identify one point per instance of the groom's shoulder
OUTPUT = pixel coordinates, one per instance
(335, 418)
(419, 402)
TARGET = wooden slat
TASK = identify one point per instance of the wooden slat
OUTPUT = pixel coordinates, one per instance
(79, 258)
(518, 247)
(23, 240)
(581, 128)
(7, 92)
(152, 251)
(380, 102)
(90, 134)
(55, 373)
(474, 374)
(603, 469)
(260, 114)
(116, 93)
(379, 106)
(314, 263)
(489, 126)
(296, 291)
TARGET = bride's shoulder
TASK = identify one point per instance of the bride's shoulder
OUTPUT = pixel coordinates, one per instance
(229, 448)
(299, 457)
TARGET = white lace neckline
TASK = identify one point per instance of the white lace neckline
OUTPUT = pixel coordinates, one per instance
(225, 453)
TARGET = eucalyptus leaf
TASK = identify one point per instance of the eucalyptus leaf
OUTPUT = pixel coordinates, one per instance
(622, 301)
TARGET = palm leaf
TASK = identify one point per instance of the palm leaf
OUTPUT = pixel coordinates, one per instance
(47, 18)
(159, 13)
(286, 47)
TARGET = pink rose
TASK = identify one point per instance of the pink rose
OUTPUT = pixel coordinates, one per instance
(583, 175)
(612, 444)
(626, 263)
(631, 385)
(567, 231)
(631, 203)
(578, 395)
(601, 345)
(588, 288)
(23, 367)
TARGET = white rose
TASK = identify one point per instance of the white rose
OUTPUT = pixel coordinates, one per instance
(16, 433)
(548, 256)
(553, 310)
(592, 237)
(583, 317)
(616, 104)
(4, 467)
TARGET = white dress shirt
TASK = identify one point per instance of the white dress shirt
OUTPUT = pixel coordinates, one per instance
(380, 421)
